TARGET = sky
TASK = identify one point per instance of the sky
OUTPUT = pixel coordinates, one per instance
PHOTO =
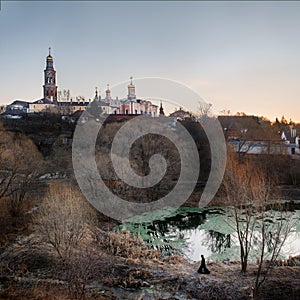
(238, 56)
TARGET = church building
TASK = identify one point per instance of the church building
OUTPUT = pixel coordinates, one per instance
(50, 102)
(130, 105)
(50, 88)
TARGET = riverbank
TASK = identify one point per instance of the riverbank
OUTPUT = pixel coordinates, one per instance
(123, 268)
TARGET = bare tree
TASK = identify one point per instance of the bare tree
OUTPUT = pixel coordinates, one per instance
(19, 165)
(261, 222)
(275, 223)
(204, 109)
(65, 218)
(79, 267)
(225, 112)
(67, 222)
(247, 191)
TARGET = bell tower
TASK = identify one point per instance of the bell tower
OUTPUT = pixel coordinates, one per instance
(50, 88)
(108, 95)
(131, 91)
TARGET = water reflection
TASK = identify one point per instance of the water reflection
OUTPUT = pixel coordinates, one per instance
(204, 231)
(217, 242)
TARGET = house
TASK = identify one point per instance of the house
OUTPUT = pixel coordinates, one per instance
(77, 114)
(290, 138)
(16, 110)
(20, 105)
(42, 105)
(181, 114)
(252, 135)
(67, 108)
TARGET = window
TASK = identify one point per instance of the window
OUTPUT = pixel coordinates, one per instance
(126, 111)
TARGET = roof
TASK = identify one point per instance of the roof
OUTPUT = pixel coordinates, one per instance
(236, 122)
(103, 103)
(248, 127)
(43, 101)
(128, 100)
(180, 114)
(78, 113)
(71, 103)
(20, 103)
(119, 117)
(79, 103)
(288, 132)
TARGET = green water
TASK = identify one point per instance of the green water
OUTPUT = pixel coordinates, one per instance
(195, 231)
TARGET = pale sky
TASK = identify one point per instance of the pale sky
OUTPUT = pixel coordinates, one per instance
(242, 56)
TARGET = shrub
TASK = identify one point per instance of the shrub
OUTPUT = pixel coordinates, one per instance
(64, 219)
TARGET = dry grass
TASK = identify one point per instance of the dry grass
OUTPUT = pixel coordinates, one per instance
(28, 277)
(175, 259)
(125, 244)
(64, 219)
(45, 291)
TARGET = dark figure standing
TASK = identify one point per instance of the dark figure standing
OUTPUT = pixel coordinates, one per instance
(202, 269)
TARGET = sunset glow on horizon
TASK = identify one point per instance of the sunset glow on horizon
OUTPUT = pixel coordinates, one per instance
(238, 56)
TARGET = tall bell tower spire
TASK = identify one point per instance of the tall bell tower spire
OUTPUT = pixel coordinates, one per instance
(50, 88)
(131, 90)
(108, 95)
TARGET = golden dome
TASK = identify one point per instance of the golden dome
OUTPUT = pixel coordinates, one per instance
(49, 57)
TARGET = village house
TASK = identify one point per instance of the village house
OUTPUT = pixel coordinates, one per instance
(181, 114)
(254, 135)
(16, 109)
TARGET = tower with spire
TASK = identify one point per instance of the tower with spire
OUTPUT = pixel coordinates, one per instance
(50, 88)
(108, 95)
(97, 98)
(131, 90)
(161, 110)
